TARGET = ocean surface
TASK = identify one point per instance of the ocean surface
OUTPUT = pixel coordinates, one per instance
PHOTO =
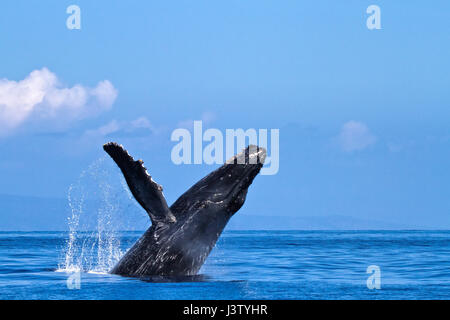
(244, 265)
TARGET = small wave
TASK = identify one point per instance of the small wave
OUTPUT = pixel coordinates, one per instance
(68, 270)
(174, 279)
(97, 272)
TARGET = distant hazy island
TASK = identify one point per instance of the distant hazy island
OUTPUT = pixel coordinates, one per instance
(25, 213)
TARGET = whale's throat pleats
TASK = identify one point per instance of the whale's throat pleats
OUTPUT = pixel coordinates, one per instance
(146, 191)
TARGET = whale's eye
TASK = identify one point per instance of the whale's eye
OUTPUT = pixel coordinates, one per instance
(236, 203)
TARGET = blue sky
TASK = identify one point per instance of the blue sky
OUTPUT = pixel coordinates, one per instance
(364, 115)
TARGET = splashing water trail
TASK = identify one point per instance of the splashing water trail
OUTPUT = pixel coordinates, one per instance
(99, 211)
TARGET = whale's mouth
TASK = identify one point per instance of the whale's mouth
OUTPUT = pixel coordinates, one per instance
(228, 184)
(252, 155)
(239, 172)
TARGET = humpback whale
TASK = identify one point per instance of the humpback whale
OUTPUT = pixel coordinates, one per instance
(181, 236)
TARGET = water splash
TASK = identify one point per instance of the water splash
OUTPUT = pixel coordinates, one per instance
(100, 210)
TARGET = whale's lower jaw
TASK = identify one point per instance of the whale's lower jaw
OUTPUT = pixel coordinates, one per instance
(174, 254)
(170, 265)
(174, 266)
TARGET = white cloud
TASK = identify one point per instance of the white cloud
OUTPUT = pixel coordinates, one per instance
(206, 117)
(138, 127)
(41, 96)
(394, 147)
(105, 130)
(354, 136)
(141, 122)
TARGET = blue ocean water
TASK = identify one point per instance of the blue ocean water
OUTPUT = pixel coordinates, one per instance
(244, 265)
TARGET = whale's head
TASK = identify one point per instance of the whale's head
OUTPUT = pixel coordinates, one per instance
(229, 184)
(223, 191)
(203, 211)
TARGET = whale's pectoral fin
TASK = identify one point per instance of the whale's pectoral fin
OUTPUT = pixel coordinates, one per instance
(146, 191)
